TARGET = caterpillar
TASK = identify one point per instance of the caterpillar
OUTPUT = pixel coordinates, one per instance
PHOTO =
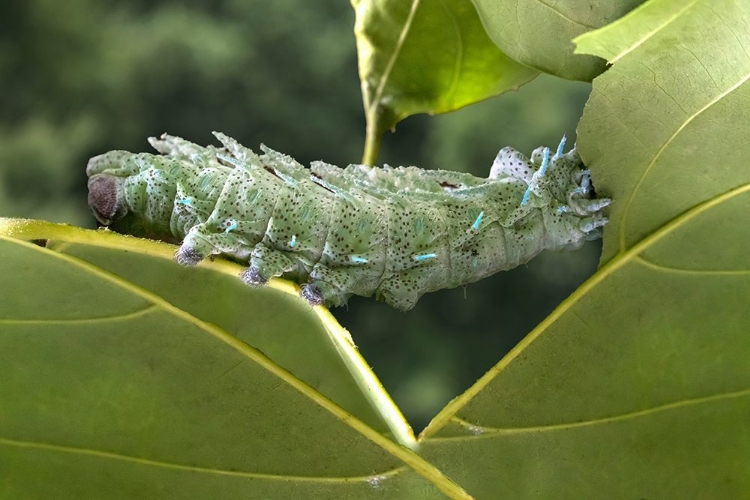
(396, 233)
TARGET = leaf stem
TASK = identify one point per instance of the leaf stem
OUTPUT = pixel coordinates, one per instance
(373, 138)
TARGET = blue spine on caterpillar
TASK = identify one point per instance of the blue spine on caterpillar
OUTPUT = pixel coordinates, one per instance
(396, 233)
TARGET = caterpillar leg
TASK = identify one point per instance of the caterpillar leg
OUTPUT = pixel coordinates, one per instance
(591, 225)
(403, 290)
(197, 245)
(328, 286)
(592, 206)
(266, 263)
(311, 294)
(204, 240)
(396, 292)
(583, 206)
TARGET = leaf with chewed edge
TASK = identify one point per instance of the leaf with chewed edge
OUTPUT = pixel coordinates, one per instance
(638, 385)
(539, 33)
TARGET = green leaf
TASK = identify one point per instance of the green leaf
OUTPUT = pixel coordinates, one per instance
(638, 385)
(539, 33)
(618, 39)
(675, 110)
(125, 375)
(425, 56)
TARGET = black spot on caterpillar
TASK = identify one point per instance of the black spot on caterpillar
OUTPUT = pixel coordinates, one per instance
(393, 232)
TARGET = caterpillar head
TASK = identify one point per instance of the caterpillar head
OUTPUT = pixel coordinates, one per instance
(133, 193)
(107, 174)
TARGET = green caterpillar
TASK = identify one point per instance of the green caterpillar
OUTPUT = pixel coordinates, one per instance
(393, 232)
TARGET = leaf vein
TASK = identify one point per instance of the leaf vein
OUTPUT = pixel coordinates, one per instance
(392, 60)
(450, 95)
(651, 33)
(702, 272)
(667, 143)
(570, 20)
(81, 321)
(188, 468)
(479, 431)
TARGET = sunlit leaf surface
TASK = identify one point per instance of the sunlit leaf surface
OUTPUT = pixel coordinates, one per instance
(425, 56)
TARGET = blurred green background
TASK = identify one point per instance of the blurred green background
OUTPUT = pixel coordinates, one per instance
(81, 77)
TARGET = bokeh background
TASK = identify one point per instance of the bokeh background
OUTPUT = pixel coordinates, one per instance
(81, 77)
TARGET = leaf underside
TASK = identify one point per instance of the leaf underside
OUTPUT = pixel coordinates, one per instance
(638, 385)
(539, 33)
(126, 375)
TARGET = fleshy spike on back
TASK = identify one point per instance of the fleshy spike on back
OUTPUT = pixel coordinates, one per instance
(176, 146)
(560, 147)
(237, 150)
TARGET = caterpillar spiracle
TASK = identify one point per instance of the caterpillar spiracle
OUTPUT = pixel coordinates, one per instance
(396, 233)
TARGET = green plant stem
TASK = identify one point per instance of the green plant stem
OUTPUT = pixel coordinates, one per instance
(373, 138)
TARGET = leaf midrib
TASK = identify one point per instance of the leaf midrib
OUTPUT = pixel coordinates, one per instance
(378, 96)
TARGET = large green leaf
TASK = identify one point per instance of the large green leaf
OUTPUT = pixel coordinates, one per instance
(676, 111)
(638, 385)
(425, 56)
(124, 375)
(539, 33)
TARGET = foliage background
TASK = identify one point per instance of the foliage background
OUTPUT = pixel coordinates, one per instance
(85, 76)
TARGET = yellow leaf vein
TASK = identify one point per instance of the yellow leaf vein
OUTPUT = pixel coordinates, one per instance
(189, 468)
(478, 431)
(81, 321)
